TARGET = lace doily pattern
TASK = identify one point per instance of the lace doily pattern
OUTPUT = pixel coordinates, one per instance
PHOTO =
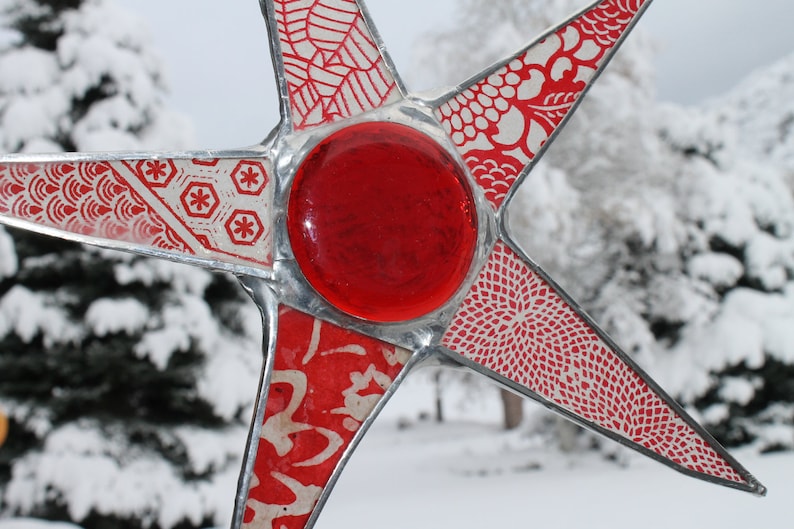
(515, 324)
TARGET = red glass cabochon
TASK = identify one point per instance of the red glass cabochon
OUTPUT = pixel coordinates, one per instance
(382, 222)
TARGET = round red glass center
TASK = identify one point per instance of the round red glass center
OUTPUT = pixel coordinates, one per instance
(382, 222)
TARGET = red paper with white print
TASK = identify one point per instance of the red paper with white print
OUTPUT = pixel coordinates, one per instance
(501, 122)
(326, 382)
(333, 67)
(212, 209)
(515, 324)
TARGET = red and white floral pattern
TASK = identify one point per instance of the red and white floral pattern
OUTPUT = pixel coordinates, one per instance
(326, 382)
(216, 209)
(500, 123)
(333, 66)
(515, 324)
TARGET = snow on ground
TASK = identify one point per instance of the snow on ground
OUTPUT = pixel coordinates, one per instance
(430, 479)
(31, 523)
(468, 474)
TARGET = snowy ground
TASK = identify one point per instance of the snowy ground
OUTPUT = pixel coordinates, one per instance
(429, 479)
(467, 474)
(470, 475)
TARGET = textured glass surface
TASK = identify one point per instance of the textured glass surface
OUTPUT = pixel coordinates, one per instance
(382, 222)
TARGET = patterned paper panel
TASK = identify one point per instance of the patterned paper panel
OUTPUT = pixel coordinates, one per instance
(333, 66)
(515, 324)
(326, 382)
(500, 123)
(214, 209)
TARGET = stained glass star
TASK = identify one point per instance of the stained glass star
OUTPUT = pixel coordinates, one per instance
(370, 229)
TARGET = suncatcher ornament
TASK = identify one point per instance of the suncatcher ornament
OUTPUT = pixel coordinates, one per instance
(370, 229)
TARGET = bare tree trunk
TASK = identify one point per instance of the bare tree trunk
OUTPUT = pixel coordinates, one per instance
(567, 434)
(439, 400)
(513, 407)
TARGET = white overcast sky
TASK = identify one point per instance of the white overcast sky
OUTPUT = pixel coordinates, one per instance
(220, 75)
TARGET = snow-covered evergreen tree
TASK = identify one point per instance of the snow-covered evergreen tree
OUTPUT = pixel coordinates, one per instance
(762, 108)
(576, 211)
(561, 214)
(672, 226)
(127, 381)
(733, 358)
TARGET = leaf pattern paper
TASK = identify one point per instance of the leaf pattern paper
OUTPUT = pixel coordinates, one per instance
(334, 68)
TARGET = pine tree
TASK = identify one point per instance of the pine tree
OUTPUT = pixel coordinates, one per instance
(734, 354)
(127, 381)
(572, 214)
(673, 227)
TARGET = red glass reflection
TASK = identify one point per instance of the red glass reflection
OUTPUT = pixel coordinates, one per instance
(382, 222)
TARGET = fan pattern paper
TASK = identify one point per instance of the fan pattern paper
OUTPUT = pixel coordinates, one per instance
(210, 208)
